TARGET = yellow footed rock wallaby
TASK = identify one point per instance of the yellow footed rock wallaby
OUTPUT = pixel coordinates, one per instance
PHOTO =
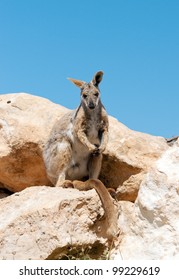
(74, 150)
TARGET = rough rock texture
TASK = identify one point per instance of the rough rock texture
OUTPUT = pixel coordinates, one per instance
(150, 226)
(128, 156)
(25, 124)
(40, 222)
(43, 222)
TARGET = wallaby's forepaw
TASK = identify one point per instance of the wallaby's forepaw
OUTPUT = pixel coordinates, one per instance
(67, 184)
(101, 149)
(98, 150)
(92, 148)
(96, 153)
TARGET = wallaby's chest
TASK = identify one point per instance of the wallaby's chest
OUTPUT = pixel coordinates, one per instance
(92, 130)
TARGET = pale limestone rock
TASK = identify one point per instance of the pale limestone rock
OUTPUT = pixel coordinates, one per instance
(150, 226)
(40, 222)
(128, 156)
(25, 124)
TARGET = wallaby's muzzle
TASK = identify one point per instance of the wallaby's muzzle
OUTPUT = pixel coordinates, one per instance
(91, 105)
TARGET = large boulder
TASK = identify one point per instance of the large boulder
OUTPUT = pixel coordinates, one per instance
(25, 125)
(128, 157)
(150, 226)
(45, 222)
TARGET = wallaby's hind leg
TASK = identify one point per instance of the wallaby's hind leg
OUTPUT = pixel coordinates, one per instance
(58, 157)
(94, 166)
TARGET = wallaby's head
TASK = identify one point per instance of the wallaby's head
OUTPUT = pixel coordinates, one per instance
(90, 94)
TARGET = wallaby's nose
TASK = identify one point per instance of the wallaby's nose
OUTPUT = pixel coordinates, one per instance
(91, 105)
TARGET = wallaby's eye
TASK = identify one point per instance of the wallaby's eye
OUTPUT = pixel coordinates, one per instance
(96, 94)
(85, 96)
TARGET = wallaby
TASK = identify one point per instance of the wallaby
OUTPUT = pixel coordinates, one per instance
(74, 150)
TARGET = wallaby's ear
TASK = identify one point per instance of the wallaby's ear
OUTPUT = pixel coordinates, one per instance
(97, 78)
(77, 83)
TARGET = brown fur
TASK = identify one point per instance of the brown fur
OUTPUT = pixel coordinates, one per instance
(78, 139)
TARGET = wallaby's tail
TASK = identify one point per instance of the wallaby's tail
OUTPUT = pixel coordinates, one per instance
(110, 210)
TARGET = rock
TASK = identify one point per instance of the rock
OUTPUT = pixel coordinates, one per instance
(150, 226)
(129, 189)
(128, 156)
(25, 124)
(44, 222)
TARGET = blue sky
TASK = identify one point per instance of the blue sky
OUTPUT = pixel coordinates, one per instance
(135, 43)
